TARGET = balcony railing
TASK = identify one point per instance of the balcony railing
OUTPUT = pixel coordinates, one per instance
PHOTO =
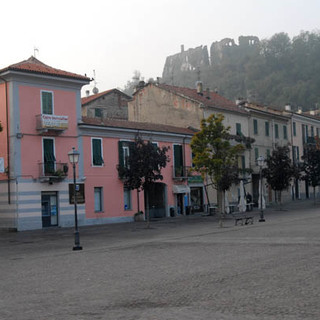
(46, 122)
(52, 171)
(182, 172)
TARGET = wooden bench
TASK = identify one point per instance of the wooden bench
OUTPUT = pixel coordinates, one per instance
(243, 218)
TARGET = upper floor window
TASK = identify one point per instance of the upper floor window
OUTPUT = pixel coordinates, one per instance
(267, 128)
(46, 102)
(285, 132)
(238, 129)
(294, 129)
(178, 160)
(312, 131)
(124, 153)
(276, 131)
(49, 158)
(96, 147)
(255, 126)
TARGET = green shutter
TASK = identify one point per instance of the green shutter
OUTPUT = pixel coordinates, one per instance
(243, 162)
(47, 105)
(267, 128)
(120, 151)
(48, 156)
(97, 152)
(255, 126)
(238, 129)
(276, 129)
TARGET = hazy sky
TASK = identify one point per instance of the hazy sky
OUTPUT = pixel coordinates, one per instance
(114, 38)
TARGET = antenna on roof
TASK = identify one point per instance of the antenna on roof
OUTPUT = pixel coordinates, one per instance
(95, 90)
(34, 51)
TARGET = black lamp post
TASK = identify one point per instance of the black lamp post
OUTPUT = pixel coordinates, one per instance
(74, 158)
(260, 161)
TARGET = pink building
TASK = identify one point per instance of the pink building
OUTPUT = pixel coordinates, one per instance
(40, 111)
(40, 107)
(107, 200)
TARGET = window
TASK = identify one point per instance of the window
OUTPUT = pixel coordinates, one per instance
(276, 131)
(317, 130)
(238, 129)
(285, 132)
(98, 199)
(312, 132)
(127, 198)
(98, 113)
(97, 159)
(256, 153)
(295, 154)
(294, 128)
(243, 162)
(46, 102)
(178, 160)
(124, 152)
(255, 126)
(267, 128)
(49, 158)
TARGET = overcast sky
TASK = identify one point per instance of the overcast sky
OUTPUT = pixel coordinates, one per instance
(114, 38)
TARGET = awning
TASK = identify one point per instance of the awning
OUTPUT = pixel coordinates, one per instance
(180, 188)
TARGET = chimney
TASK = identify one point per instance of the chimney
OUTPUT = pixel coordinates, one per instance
(182, 48)
(199, 88)
(299, 110)
(312, 112)
(208, 93)
(87, 93)
(287, 107)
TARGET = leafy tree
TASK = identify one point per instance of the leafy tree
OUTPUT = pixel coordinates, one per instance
(279, 170)
(215, 156)
(144, 165)
(311, 168)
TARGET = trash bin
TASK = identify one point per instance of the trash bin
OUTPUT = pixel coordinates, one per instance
(172, 212)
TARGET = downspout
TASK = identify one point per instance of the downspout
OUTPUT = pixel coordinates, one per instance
(8, 147)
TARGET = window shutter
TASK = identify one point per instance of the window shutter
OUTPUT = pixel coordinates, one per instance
(47, 103)
(120, 151)
(97, 152)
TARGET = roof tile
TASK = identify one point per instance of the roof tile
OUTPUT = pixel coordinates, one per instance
(33, 65)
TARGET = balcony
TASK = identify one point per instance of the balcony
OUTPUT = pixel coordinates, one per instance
(50, 122)
(52, 171)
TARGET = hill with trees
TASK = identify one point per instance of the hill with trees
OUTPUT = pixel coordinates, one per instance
(275, 71)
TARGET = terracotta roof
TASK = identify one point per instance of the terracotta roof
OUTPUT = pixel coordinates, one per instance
(211, 99)
(93, 97)
(33, 65)
(135, 125)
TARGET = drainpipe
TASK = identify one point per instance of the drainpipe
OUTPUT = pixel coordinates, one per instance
(8, 147)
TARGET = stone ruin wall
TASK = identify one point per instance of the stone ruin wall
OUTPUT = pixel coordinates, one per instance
(198, 58)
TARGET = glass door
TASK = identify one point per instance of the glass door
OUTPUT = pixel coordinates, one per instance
(49, 208)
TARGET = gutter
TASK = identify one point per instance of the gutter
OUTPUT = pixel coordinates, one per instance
(8, 146)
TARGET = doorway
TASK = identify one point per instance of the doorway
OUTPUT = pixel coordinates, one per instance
(156, 199)
(49, 209)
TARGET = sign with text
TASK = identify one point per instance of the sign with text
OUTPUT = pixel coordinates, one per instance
(79, 193)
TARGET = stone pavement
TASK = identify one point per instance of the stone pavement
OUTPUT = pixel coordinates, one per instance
(180, 268)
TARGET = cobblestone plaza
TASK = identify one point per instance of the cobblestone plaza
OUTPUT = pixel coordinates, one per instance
(180, 268)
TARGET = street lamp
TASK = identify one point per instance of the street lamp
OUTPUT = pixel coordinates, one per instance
(74, 158)
(260, 161)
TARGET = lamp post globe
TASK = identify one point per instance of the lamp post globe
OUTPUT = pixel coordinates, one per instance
(74, 159)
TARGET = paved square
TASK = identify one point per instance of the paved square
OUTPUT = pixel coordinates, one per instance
(182, 268)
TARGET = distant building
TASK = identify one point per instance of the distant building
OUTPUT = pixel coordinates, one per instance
(111, 104)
